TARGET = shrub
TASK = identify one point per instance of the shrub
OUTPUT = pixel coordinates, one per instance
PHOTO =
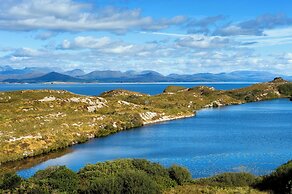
(150, 167)
(126, 182)
(278, 181)
(137, 182)
(179, 174)
(9, 181)
(286, 89)
(57, 178)
(239, 179)
(157, 173)
(101, 185)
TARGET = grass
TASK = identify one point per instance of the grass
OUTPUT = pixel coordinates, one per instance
(203, 189)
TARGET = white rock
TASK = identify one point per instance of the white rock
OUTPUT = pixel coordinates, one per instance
(48, 99)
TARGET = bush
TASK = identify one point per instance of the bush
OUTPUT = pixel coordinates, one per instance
(153, 171)
(9, 181)
(100, 185)
(179, 174)
(137, 182)
(126, 182)
(286, 89)
(57, 178)
(279, 181)
(150, 167)
(240, 179)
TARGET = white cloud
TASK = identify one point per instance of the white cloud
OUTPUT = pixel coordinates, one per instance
(90, 42)
(106, 45)
(204, 42)
(68, 15)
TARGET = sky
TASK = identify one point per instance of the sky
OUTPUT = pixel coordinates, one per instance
(167, 36)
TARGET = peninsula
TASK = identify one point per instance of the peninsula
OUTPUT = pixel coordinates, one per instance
(34, 122)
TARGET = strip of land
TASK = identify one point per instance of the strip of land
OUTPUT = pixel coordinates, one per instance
(33, 122)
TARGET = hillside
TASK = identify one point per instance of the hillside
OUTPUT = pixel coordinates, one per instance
(50, 77)
(40, 121)
(34, 74)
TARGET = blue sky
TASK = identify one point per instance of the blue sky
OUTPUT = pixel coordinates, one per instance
(174, 36)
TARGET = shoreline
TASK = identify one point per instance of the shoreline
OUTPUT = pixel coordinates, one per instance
(173, 109)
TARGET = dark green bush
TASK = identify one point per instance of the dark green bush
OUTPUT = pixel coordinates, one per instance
(149, 167)
(239, 179)
(179, 174)
(56, 178)
(126, 182)
(278, 181)
(9, 181)
(110, 169)
(286, 89)
(137, 182)
(101, 185)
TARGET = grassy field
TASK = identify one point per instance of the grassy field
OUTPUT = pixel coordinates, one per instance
(33, 122)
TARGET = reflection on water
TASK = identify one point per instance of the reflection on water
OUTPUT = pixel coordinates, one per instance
(33, 161)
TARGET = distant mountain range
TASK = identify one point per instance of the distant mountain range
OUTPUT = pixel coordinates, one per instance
(40, 75)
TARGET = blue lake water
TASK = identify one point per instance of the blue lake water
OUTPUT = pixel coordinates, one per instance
(254, 137)
(96, 89)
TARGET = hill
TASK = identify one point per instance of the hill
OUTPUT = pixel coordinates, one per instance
(32, 74)
(50, 77)
(129, 76)
(75, 72)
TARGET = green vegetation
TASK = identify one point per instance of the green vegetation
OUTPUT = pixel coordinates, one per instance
(279, 181)
(199, 189)
(119, 176)
(131, 176)
(286, 89)
(174, 89)
(180, 174)
(34, 122)
(240, 179)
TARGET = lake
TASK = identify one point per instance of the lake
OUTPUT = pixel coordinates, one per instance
(254, 137)
(96, 89)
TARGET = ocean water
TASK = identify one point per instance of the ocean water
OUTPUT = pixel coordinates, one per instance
(96, 89)
(254, 137)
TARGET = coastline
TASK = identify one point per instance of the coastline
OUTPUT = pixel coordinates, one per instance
(156, 115)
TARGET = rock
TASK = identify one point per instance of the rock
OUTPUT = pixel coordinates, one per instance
(291, 98)
(148, 115)
(48, 99)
